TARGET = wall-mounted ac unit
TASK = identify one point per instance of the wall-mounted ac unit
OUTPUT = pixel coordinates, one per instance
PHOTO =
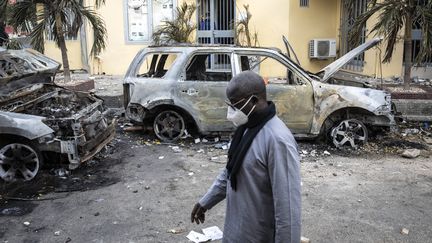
(322, 48)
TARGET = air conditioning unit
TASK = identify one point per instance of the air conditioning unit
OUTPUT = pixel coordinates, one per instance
(322, 48)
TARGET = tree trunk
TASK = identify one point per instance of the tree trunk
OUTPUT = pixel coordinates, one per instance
(408, 51)
(62, 45)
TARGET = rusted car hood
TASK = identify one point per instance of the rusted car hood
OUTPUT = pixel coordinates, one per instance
(335, 66)
(20, 68)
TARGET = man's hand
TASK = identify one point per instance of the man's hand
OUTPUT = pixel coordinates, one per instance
(198, 214)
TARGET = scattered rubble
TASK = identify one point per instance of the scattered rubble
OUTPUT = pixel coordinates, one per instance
(210, 234)
(175, 231)
(404, 231)
(304, 240)
(411, 153)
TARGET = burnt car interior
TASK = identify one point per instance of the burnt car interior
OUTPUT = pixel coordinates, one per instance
(198, 68)
(157, 67)
(254, 62)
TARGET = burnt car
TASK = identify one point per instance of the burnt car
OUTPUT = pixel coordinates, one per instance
(182, 88)
(42, 122)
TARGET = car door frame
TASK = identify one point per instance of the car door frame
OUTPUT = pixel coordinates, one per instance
(299, 127)
(210, 117)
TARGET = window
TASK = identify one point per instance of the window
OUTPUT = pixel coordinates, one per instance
(143, 16)
(156, 65)
(417, 36)
(351, 9)
(304, 3)
(271, 69)
(209, 67)
(68, 35)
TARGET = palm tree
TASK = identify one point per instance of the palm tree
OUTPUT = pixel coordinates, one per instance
(396, 15)
(62, 18)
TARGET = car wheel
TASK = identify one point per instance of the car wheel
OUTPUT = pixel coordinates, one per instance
(169, 126)
(349, 132)
(19, 161)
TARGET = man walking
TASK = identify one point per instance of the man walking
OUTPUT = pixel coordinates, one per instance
(261, 181)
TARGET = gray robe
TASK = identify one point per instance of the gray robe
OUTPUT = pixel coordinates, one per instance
(266, 206)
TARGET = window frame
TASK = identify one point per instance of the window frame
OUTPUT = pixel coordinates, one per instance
(277, 58)
(207, 52)
(160, 54)
(150, 23)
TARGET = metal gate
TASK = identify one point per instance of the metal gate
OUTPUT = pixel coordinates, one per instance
(216, 25)
(351, 9)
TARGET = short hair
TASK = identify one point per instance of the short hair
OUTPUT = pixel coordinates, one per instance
(245, 84)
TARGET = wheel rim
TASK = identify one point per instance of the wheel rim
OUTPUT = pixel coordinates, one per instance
(351, 132)
(18, 162)
(169, 126)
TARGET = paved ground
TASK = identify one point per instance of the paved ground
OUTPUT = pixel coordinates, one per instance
(139, 190)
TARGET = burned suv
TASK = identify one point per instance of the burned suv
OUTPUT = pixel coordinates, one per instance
(179, 88)
(42, 122)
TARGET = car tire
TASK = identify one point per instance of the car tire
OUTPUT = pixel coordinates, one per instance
(349, 132)
(19, 161)
(169, 126)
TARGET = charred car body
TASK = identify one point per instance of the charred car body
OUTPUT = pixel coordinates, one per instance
(183, 87)
(43, 122)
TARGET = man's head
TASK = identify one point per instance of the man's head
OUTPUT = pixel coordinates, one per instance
(244, 86)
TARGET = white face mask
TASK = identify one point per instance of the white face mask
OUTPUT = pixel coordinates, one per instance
(236, 116)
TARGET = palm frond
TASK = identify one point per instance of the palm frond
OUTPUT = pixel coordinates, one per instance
(99, 30)
(391, 19)
(23, 13)
(37, 36)
(179, 29)
(99, 3)
(424, 18)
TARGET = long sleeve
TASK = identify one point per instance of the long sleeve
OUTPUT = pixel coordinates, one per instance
(217, 191)
(284, 172)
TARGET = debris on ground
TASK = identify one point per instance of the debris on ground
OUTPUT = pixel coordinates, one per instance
(428, 140)
(176, 149)
(133, 128)
(210, 234)
(214, 233)
(411, 153)
(404, 231)
(223, 146)
(57, 233)
(175, 231)
(197, 237)
(61, 172)
(304, 240)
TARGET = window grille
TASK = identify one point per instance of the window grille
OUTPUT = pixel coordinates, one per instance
(417, 40)
(304, 3)
(351, 9)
